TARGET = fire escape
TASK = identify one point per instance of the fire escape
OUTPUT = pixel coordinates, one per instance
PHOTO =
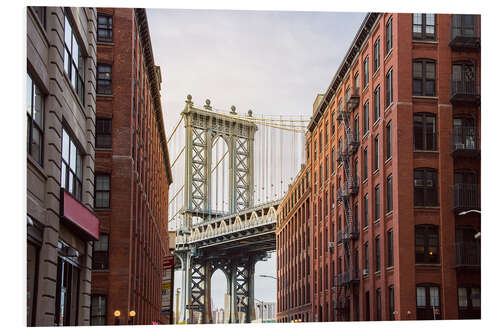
(349, 232)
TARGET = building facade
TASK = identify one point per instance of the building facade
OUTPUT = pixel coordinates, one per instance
(60, 107)
(293, 249)
(395, 145)
(132, 174)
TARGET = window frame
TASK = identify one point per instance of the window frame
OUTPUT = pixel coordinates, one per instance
(77, 80)
(425, 232)
(376, 208)
(389, 194)
(77, 176)
(33, 124)
(426, 146)
(388, 140)
(366, 71)
(366, 117)
(388, 36)
(104, 131)
(426, 312)
(103, 191)
(376, 104)
(107, 27)
(376, 55)
(389, 94)
(377, 254)
(390, 248)
(424, 26)
(93, 315)
(430, 194)
(424, 79)
(104, 79)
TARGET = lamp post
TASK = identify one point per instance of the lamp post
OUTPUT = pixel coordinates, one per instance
(117, 314)
(177, 292)
(261, 306)
(288, 292)
(131, 316)
(476, 236)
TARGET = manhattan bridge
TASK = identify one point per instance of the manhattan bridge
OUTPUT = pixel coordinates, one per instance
(230, 174)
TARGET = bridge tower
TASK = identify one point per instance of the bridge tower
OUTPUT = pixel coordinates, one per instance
(203, 127)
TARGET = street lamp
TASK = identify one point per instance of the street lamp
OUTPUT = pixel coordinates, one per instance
(131, 316)
(288, 292)
(476, 236)
(117, 314)
(261, 306)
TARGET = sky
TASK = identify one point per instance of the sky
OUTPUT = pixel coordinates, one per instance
(272, 62)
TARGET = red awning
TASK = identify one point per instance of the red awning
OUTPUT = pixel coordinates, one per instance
(79, 217)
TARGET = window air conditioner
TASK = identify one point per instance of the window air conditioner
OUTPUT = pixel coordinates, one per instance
(331, 245)
(365, 271)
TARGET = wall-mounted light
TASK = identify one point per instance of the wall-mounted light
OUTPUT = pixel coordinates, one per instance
(131, 316)
(117, 314)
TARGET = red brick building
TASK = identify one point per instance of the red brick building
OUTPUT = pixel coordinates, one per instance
(395, 173)
(293, 234)
(132, 173)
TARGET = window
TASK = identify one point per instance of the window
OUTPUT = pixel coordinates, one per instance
(326, 133)
(71, 167)
(333, 160)
(320, 142)
(388, 140)
(388, 89)
(425, 187)
(356, 82)
(98, 310)
(365, 164)
(103, 133)
(102, 191)
(376, 104)
(377, 203)
(367, 259)
(366, 72)
(426, 244)
(104, 79)
(469, 302)
(424, 131)
(389, 194)
(464, 132)
(463, 78)
(367, 306)
(100, 254)
(326, 168)
(388, 36)
(104, 28)
(41, 13)
(35, 113)
(333, 126)
(428, 302)
(463, 26)
(73, 59)
(379, 304)
(376, 55)
(424, 77)
(391, 303)
(377, 254)
(390, 249)
(356, 128)
(424, 26)
(366, 117)
(375, 153)
(32, 267)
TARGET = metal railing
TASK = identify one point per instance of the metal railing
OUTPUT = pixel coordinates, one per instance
(466, 196)
(352, 99)
(464, 88)
(468, 254)
(465, 138)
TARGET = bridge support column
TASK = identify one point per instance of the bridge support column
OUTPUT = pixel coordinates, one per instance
(186, 285)
(242, 290)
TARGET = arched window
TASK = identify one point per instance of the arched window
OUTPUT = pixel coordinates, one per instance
(428, 301)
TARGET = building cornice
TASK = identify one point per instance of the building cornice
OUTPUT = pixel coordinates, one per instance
(343, 69)
(154, 79)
